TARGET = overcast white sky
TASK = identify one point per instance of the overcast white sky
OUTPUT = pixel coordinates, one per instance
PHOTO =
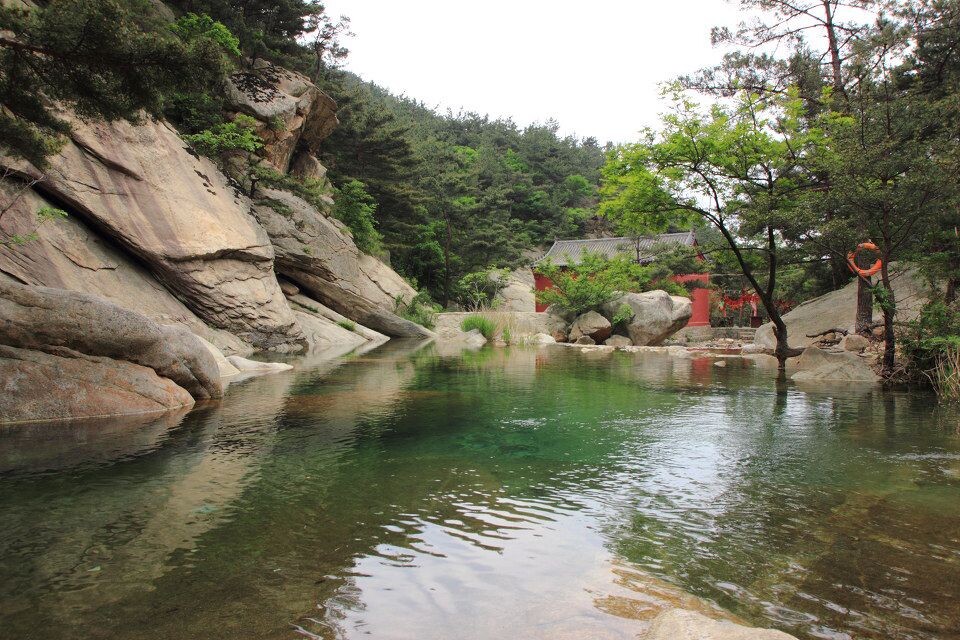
(593, 66)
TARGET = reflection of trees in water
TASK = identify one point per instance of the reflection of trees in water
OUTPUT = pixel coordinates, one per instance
(813, 521)
(259, 513)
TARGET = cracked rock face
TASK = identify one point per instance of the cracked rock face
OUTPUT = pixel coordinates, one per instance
(296, 115)
(318, 255)
(141, 187)
(68, 254)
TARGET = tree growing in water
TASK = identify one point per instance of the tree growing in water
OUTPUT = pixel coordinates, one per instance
(739, 168)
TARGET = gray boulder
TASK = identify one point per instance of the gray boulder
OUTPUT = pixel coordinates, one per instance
(591, 324)
(618, 341)
(679, 624)
(584, 340)
(40, 319)
(656, 315)
(60, 384)
(816, 364)
(518, 293)
(854, 342)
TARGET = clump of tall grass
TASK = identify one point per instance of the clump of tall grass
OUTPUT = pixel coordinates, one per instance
(945, 375)
(485, 326)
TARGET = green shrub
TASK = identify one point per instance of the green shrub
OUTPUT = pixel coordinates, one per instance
(507, 335)
(596, 280)
(314, 192)
(623, 315)
(478, 289)
(347, 324)
(931, 345)
(481, 324)
(239, 135)
(421, 309)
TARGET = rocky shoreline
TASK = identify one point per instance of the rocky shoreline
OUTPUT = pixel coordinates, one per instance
(166, 264)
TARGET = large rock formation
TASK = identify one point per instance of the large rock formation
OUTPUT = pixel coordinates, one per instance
(68, 254)
(295, 115)
(838, 310)
(69, 354)
(316, 253)
(142, 188)
(656, 315)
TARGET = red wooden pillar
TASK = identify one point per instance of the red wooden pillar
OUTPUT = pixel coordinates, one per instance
(700, 299)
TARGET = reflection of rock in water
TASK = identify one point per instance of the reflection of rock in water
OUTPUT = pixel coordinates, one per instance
(45, 447)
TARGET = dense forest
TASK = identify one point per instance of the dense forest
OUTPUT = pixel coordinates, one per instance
(459, 192)
(815, 133)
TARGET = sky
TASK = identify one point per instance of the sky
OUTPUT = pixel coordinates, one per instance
(594, 66)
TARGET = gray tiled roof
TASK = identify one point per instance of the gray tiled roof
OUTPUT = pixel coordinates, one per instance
(566, 252)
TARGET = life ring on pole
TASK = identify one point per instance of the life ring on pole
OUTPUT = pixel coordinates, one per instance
(852, 260)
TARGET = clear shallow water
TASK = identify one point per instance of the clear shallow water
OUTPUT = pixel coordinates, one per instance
(407, 493)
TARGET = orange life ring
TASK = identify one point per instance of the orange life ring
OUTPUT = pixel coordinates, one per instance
(852, 260)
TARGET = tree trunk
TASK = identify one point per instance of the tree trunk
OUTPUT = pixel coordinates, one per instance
(864, 305)
(836, 64)
(889, 310)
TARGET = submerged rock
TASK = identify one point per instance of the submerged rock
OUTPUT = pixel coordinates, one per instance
(678, 624)
(255, 366)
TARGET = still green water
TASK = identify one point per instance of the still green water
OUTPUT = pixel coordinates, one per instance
(511, 493)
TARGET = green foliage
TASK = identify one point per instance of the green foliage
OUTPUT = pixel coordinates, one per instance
(482, 324)
(507, 335)
(238, 135)
(347, 324)
(458, 192)
(596, 280)
(478, 289)
(104, 59)
(926, 340)
(421, 309)
(43, 215)
(193, 27)
(314, 192)
(623, 315)
(355, 208)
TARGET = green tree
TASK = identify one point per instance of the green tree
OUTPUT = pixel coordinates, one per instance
(739, 168)
(102, 59)
(355, 208)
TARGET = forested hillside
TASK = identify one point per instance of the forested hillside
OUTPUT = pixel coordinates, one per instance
(458, 192)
